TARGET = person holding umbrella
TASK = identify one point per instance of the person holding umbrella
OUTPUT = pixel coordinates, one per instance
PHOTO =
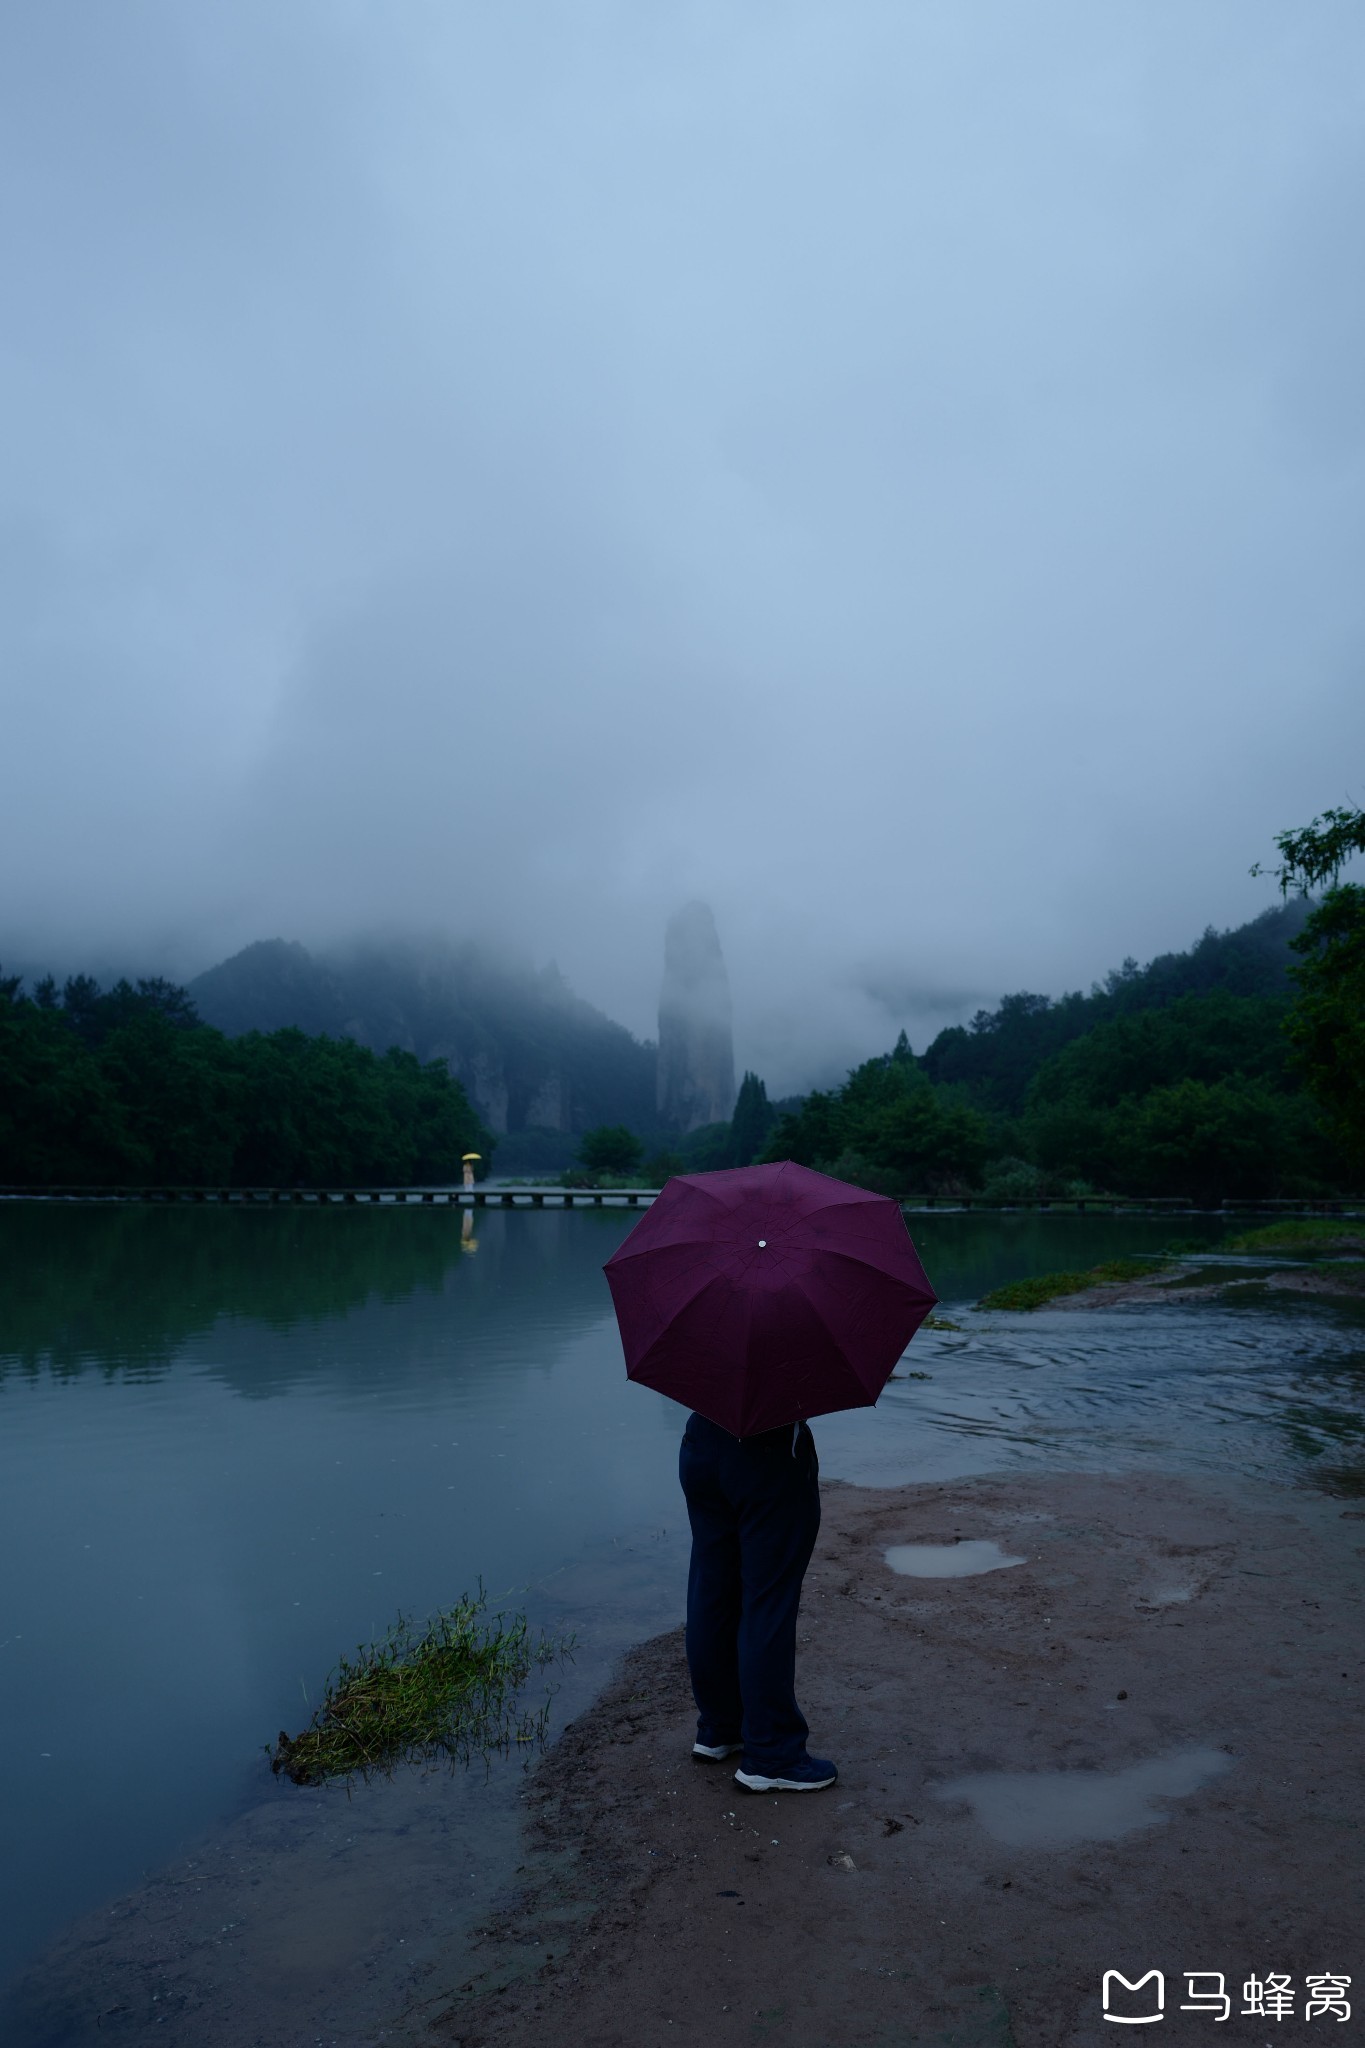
(760, 1297)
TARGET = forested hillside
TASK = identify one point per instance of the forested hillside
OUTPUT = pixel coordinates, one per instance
(1001, 1050)
(128, 1085)
(1173, 1079)
(531, 1055)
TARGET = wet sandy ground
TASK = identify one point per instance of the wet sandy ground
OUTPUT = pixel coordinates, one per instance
(304, 1922)
(1139, 1749)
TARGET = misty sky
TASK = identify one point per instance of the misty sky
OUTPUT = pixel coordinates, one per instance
(893, 470)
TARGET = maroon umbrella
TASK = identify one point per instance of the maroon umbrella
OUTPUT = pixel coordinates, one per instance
(767, 1294)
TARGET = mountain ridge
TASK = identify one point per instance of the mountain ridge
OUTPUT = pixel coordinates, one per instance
(530, 1053)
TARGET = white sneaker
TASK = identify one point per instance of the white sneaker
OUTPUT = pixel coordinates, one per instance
(812, 1774)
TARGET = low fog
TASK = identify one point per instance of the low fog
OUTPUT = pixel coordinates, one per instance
(891, 471)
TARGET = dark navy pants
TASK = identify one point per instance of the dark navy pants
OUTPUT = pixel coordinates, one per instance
(755, 1512)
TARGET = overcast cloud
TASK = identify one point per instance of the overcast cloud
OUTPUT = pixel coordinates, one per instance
(894, 470)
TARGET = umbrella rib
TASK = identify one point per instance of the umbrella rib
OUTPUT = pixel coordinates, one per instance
(681, 1307)
(847, 1197)
(837, 1342)
(652, 1251)
(829, 1251)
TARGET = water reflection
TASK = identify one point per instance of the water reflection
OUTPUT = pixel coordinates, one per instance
(116, 1288)
(129, 1290)
(963, 1560)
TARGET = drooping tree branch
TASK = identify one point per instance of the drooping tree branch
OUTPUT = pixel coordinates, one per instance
(1318, 852)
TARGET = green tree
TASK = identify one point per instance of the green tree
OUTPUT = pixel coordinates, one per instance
(1206, 1139)
(127, 1086)
(1194, 1038)
(1198, 1098)
(999, 1053)
(178, 1093)
(887, 1128)
(923, 1143)
(751, 1123)
(611, 1148)
(1317, 853)
(814, 1131)
(1326, 1026)
(60, 1118)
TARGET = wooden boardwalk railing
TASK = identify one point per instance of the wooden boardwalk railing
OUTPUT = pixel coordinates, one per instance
(476, 1197)
(484, 1197)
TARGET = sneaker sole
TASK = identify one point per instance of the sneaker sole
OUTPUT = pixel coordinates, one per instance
(753, 1783)
(717, 1755)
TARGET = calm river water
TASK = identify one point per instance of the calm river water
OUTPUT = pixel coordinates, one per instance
(233, 1444)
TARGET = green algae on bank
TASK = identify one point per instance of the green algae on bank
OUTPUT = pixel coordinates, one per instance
(1046, 1287)
(1302, 1235)
(444, 1690)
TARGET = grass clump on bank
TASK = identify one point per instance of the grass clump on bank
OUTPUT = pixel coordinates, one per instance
(1325, 1234)
(443, 1690)
(1045, 1287)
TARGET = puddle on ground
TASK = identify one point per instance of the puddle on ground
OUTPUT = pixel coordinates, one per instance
(1053, 1809)
(948, 1560)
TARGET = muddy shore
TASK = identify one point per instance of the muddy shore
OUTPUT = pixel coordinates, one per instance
(1193, 1280)
(1187, 1656)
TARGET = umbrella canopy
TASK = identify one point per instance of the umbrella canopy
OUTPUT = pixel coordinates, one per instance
(767, 1294)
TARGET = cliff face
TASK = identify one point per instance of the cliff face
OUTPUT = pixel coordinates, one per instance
(530, 1053)
(696, 1082)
